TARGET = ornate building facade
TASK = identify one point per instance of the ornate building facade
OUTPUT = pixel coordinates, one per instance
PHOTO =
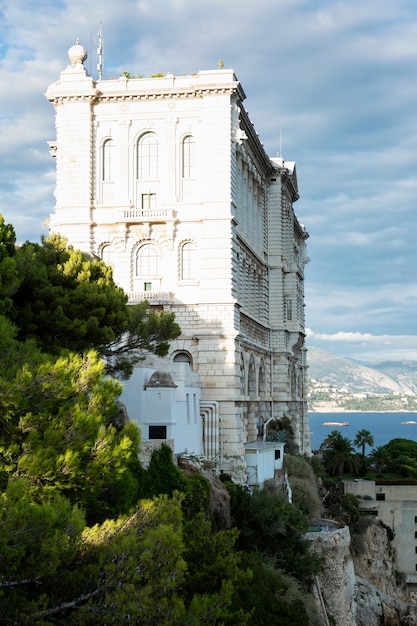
(166, 180)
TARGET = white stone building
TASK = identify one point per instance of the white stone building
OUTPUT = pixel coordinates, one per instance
(167, 181)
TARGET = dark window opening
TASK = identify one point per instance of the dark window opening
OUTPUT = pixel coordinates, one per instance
(380, 496)
(157, 432)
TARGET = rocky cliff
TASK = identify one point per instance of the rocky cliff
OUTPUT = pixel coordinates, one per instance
(359, 587)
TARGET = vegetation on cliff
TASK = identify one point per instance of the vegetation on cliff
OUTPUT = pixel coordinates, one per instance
(88, 535)
(65, 301)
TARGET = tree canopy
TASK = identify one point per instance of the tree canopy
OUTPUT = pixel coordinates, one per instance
(9, 280)
(66, 301)
(338, 454)
(88, 535)
(58, 429)
(363, 438)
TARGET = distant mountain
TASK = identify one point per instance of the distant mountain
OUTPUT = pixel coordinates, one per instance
(389, 377)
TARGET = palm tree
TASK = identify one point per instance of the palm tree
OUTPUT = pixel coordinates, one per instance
(363, 438)
(339, 454)
(380, 457)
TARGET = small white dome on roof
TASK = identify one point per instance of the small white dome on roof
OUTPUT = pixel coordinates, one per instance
(77, 54)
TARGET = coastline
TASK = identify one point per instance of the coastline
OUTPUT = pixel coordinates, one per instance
(329, 407)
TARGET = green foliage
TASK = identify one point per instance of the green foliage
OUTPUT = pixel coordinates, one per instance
(66, 301)
(339, 454)
(273, 597)
(140, 566)
(210, 556)
(351, 506)
(303, 486)
(162, 475)
(401, 457)
(138, 569)
(401, 447)
(363, 438)
(380, 457)
(129, 76)
(15, 353)
(384, 402)
(281, 430)
(146, 331)
(9, 280)
(317, 465)
(269, 524)
(37, 534)
(66, 460)
(56, 431)
(196, 495)
(305, 496)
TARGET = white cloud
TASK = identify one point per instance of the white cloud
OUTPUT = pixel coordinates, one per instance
(366, 347)
(338, 82)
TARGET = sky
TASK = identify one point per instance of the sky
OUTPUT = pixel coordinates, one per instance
(330, 84)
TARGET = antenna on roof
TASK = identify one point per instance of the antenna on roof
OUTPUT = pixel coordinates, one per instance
(100, 64)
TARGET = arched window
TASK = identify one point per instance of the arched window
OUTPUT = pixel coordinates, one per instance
(107, 161)
(188, 157)
(182, 357)
(147, 158)
(107, 255)
(147, 261)
(252, 378)
(187, 271)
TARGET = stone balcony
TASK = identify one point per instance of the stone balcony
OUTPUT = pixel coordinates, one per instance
(116, 215)
(156, 214)
(153, 297)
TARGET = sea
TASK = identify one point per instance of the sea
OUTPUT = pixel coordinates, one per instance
(382, 426)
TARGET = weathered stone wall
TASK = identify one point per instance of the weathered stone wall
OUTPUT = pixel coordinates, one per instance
(361, 590)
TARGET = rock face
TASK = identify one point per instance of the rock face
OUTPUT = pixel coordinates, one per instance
(360, 590)
(379, 599)
(337, 580)
(374, 561)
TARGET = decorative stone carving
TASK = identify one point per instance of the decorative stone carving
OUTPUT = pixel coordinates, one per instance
(77, 54)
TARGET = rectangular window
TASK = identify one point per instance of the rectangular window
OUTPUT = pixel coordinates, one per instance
(415, 519)
(157, 432)
(148, 201)
(147, 286)
(277, 454)
(380, 496)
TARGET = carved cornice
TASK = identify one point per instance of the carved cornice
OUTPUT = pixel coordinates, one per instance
(100, 97)
(74, 98)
